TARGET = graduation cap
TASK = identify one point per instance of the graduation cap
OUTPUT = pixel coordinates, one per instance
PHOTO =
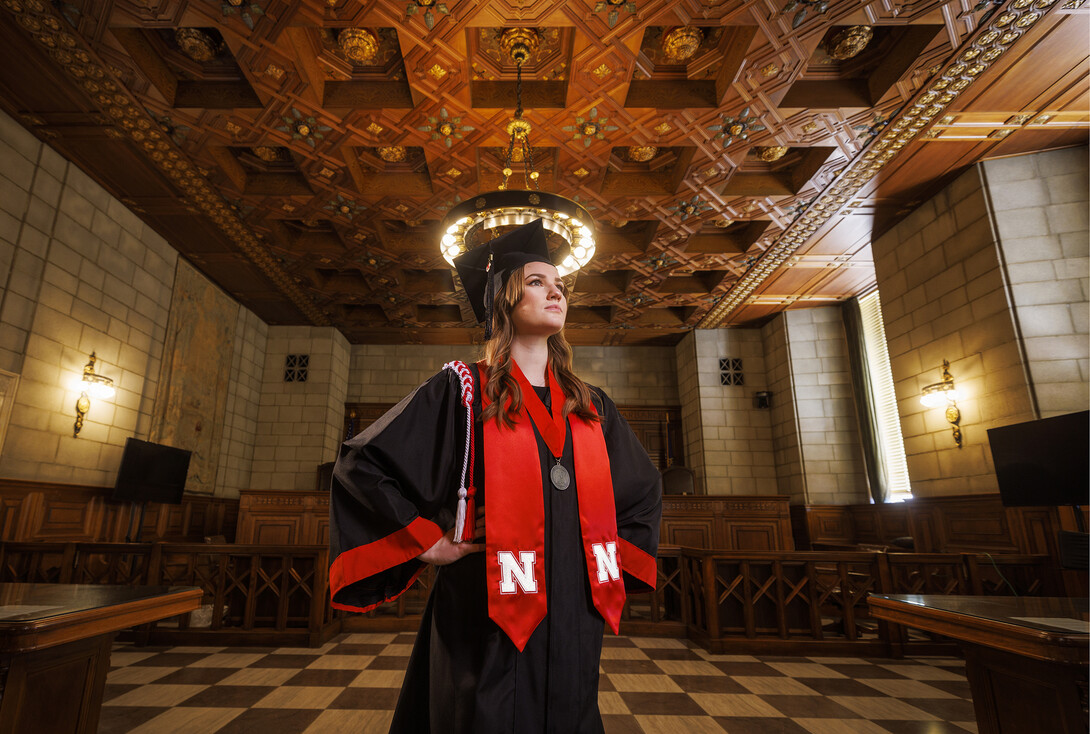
(484, 270)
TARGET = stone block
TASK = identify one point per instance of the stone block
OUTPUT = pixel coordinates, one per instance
(1032, 294)
(31, 446)
(1030, 223)
(124, 217)
(1071, 346)
(1067, 188)
(1071, 268)
(46, 187)
(1031, 272)
(15, 197)
(1075, 244)
(53, 163)
(17, 310)
(40, 215)
(84, 186)
(1014, 168)
(1071, 217)
(1060, 398)
(971, 239)
(105, 228)
(1009, 198)
(77, 207)
(1045, 320)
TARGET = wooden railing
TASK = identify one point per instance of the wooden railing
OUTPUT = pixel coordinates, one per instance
(253, 594)
(736, 601)
(811, 603)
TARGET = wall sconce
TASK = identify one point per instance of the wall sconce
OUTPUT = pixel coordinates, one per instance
(944, 393)
(763, 399)
(91, 385)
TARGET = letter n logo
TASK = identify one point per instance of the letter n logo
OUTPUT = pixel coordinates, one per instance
(605, 557)
(519, 572)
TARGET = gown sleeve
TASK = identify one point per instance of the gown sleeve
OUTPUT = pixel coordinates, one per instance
(637, 495)
(393, 495)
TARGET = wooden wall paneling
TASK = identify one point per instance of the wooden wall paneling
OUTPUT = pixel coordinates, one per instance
(757, 536)
(735, 522)
(822, 524)
(72, 512)
(975, 524)
(892, 521)
(690, 533)
(925, 530)
(865, 519)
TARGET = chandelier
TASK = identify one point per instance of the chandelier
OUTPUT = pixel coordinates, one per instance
(570, 225)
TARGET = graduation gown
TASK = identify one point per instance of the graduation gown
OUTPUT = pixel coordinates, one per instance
(394, 494)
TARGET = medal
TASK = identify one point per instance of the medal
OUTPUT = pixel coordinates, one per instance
(558, 475)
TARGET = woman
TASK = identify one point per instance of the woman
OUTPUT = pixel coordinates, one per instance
(569, 508)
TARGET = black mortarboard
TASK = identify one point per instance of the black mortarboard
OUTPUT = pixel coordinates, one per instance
(484, 270)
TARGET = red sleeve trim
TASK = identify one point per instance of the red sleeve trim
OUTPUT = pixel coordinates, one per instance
(376, 605)
(393, 550)
(637, 562)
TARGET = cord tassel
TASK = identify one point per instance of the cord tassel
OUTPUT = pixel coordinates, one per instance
(465, 508)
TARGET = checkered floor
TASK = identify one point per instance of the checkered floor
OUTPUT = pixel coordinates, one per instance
(650, 685)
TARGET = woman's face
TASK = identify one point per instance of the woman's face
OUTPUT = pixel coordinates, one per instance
(544, 304)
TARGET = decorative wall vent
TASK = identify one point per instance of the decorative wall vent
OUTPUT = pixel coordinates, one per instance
(730, 371)
(295, 367)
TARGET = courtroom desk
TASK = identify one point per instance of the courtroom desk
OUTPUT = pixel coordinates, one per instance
(1027, 676)
(727, 522)
(55, 642)
(282, 517)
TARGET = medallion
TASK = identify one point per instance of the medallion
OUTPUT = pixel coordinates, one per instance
(558, 475)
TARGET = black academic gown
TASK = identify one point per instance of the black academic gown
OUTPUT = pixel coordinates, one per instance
(465, 675)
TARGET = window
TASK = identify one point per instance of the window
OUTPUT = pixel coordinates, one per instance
(888, 430)
(730, 371)
(295, 367)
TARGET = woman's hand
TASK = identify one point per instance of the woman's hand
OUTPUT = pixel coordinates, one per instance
(446, 551)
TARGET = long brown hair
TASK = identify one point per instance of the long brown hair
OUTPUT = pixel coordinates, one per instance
(502, 385)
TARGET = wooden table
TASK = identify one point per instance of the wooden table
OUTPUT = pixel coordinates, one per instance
(55, 642)
(1025, 658)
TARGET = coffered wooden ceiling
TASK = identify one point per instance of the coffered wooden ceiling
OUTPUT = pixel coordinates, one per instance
(733, 171)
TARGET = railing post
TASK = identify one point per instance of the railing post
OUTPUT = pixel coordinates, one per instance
(711, 597)
(155, 565)
(286, 564)
(319, 595)
(69, 558)
(972, 566)
(748, 614)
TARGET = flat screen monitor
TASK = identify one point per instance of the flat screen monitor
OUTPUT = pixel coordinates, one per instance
(151, 472)
(1043, 462)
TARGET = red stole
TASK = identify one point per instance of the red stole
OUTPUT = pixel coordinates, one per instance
(515, 513)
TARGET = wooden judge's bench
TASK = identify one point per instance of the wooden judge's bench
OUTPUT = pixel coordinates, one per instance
(698, 521)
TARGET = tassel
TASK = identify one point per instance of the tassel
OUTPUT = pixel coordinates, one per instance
(470, 517)
(460, 516)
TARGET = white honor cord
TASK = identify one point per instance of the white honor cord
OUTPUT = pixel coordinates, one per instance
(466, 379)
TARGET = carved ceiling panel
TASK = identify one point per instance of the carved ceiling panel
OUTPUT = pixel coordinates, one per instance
(737, 157)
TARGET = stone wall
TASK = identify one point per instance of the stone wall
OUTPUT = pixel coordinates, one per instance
(240, 425)
(828, 430)
(1039, 205)
(734, 449)
(783, 417)
(81, 274)
(944, 297)
(688, 387)
(299, 423)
